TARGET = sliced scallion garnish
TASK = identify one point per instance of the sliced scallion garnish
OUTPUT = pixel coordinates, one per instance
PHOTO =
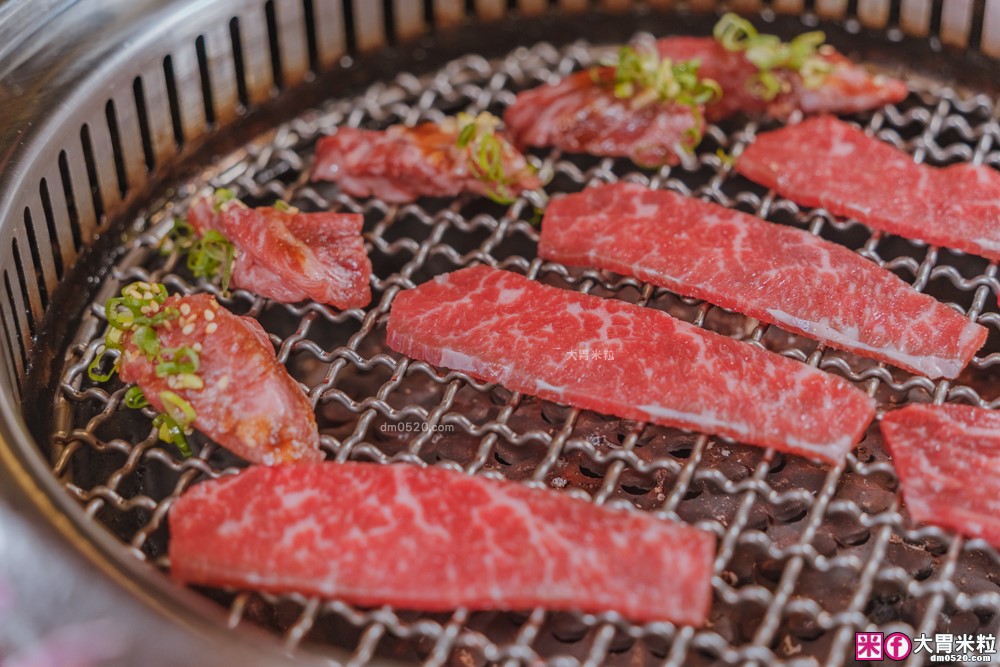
(178, 361)
(486, 154)
(211, 254)
(137, 313)
(642, 76)
(174, 423)
(135, 398)
(768, 53)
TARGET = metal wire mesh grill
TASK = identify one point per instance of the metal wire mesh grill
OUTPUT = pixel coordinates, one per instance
(808, 554)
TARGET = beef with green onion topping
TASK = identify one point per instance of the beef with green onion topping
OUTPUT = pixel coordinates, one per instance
(278, 252)
(464, 153)
(200, 367)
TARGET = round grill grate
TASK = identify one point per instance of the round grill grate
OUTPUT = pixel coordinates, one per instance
(808, 554)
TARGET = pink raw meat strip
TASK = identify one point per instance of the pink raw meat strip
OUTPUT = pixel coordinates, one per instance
(848, 87)
(829, 163)
(785, 276)
(947, 458)
(249, 403)
(291, 256)
(625, 360)
(434, 540)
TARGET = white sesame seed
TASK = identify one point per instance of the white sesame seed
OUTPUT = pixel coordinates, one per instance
(185, 309)
(209, 315)
(211, 328)
(197, 347)
(188, 328)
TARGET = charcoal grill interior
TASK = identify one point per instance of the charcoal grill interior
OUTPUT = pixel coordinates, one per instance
(808, 554)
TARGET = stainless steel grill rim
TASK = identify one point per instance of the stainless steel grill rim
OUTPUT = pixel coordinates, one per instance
(181, 109)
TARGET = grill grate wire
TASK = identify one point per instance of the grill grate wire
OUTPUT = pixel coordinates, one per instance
(807, 555)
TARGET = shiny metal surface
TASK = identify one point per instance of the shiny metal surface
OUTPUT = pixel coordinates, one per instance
(107, 104)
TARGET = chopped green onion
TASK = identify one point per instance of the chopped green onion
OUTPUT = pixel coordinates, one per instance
(113, 339)
(178, 361)
(171, 432)
(177, 408)
(212, 255)
(181, 236)
(147, 341)
(285, 207)
(536, 216)
(94, 369)
(118, 314)
(641, 75)
(725, 157)
(187, 381)
(222, 197)
(486, 154)
(764, 85)
(734, 32)
(466, 135)
(769, 53)
(135, 399)
(814, 72)
(137, 313)
(138, 305)
(174, 423)
(693, 136)
(490, 158)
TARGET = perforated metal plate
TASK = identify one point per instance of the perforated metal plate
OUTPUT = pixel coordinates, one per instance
(808, 554)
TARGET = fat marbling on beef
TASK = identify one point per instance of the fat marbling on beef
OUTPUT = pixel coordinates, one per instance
(434, 540)
(777, 274)
(626, 360)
